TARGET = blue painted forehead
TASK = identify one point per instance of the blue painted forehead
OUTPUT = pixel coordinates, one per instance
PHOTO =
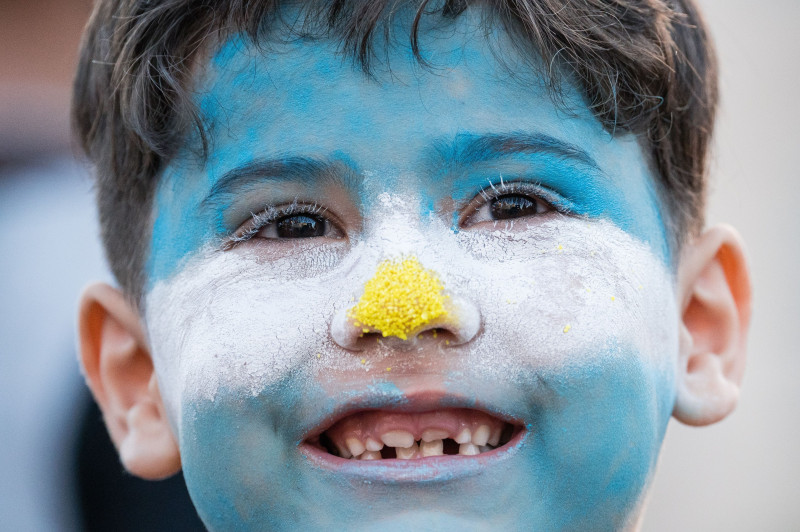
(265, 101)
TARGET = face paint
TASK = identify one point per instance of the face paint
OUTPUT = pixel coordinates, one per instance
(561, 322)
(401, 297)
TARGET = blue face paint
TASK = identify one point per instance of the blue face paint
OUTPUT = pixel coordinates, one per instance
(583, 465)
(299, 124)
(435, 139)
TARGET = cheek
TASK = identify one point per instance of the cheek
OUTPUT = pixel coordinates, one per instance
(595, 439)
(580, 332)
(552, 295)
(239, 462)
(232, 322)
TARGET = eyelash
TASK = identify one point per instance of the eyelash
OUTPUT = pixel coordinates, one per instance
(260, 220)
(488, 193)
(496, 190)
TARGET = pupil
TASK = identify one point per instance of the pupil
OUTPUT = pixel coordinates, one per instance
(506, 207)
(300, 226)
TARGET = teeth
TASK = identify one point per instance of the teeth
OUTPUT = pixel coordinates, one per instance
(471, 440)
(370, 455)
(480, 436)
(468, 449)
(465, 436)
(343, 451)
(355, 446)
(494, 439)
(398, 438)
(434, 434)
(374, 445)
(432, 448)
(406, 453)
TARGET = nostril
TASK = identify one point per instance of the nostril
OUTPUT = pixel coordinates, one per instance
(437, 333)
(370, 337)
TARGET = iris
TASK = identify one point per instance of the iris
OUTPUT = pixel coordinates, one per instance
(507, 207)
(300, 226)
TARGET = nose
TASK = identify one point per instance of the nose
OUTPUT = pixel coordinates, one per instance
(403, 300)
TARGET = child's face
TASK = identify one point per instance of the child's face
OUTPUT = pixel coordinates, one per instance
(545, 232)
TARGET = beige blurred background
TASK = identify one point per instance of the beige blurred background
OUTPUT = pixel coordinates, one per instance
(744, 473)
(740, 475)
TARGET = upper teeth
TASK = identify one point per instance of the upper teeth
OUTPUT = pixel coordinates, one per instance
(373, 445)
(355, 446)
(414, 450)
(434, 434)
(481, 435)
(398, 438)
(465, 436)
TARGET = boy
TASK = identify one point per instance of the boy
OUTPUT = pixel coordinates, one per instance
(394, 265)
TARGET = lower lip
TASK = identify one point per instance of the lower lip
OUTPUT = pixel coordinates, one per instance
(429, 469)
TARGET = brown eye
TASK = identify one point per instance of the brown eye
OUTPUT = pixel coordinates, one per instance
(513, 206)
(300, 226)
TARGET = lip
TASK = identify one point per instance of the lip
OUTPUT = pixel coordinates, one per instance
(427, 469)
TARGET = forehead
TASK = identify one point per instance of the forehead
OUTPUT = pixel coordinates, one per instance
(306, 94)
(397, 129)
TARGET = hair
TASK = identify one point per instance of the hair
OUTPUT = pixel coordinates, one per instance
(644, 66)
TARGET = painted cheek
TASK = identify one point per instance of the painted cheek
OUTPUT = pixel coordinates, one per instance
(229, 321)
(566, 285)
(237, 450)
(596, 437)
(580, 339)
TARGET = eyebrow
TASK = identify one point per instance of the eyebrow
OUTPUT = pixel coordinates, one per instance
(468, 149)
(464, 149)
(278, 170)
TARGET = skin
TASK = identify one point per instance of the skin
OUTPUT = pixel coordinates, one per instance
(586, 329)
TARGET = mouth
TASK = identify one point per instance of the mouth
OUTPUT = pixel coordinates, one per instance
(410, 436)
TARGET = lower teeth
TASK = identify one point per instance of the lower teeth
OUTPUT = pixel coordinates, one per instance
(422, 449)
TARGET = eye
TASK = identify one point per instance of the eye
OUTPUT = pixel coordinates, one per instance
(290, 226)
(507, 202)
(514, 206)
(292, 222)
(295, 226)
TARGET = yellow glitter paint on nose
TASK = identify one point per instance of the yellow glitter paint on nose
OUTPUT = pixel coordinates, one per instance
(401, 297)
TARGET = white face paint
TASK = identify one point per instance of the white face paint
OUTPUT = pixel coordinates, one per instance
(567, 322)
(238, 321)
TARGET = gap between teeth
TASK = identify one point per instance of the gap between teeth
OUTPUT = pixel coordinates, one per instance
(421, 449)
(431, 443)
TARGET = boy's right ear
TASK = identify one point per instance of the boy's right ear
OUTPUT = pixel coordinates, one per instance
(714, 291)
(119, 371)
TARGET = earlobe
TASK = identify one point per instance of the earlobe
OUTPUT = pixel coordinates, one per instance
(714, 287)
(120, 373)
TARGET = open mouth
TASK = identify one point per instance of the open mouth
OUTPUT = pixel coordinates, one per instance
(386, 435)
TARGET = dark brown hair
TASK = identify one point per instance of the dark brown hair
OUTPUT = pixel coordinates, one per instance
(644, 66)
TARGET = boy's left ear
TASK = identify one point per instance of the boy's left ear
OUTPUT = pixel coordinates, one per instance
(714, 292)
(119, 371)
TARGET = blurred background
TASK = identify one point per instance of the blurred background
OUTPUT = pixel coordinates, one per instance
(740, 475)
